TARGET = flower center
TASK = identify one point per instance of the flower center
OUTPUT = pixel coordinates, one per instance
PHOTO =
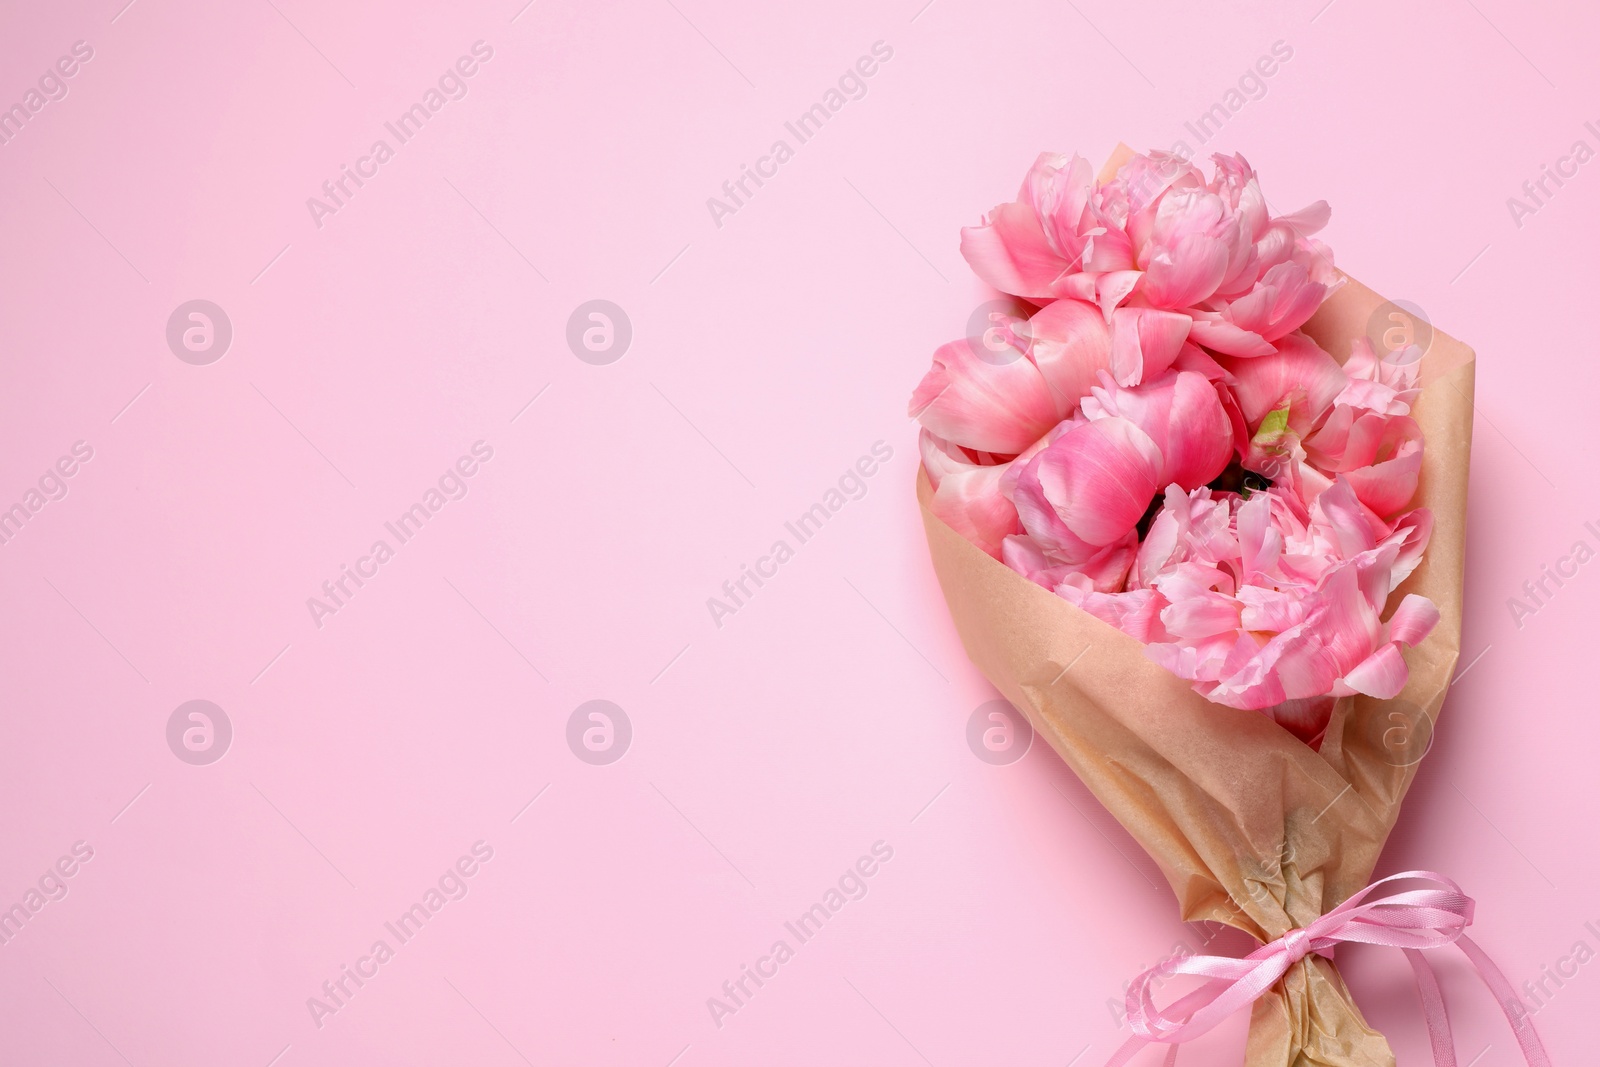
(1235, 479)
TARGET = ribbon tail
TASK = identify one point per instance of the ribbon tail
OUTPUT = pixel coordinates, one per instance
(1517, 1015)
(1129, 1049)
(1183, 1007)
(1444, 1046)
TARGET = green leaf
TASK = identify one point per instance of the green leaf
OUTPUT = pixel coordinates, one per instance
(1274, 424)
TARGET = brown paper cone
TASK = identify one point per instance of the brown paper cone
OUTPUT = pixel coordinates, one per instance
(1251, 827)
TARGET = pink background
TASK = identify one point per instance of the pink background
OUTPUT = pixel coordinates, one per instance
(768, 354)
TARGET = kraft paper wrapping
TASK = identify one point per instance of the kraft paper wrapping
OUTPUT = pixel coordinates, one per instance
(1251, 827)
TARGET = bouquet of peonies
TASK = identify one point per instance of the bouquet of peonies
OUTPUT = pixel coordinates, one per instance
(1181, 510)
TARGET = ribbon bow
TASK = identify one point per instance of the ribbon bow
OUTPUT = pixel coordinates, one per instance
(1413, 920)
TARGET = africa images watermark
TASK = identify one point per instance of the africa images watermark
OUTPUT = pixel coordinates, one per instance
(599, 732)
(852, 485)
(1554, 977)
(1250, 86)
(1537, 191)
(337, 592)
(337, 992)
(851, 85)
(851, 885)
(1118, 1006)
(1552, 577)
(452, 85)
(51, 886)
(52, 86)
(52, 486)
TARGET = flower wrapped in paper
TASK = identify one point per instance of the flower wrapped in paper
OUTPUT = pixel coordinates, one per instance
(1209, 539)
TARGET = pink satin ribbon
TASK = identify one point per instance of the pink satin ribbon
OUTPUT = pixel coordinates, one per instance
(1412, 920)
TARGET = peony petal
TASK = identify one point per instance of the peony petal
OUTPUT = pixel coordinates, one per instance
(1202, 616)
(1382, 674)
(1305, 717)
(1337, 516)
(1136, 613)
(1199, 438)
(1219, 334)
(970, 502)
(988, 405)
(1298, 374)
(1107, 570)
(1297, 667)
(1113, 287)
(1413, 620)
(1059, 187)
(1187, 273)
(1145, 342)
(1309, 219)
(1387, 487)
(1348, 625)
(1071, 345)
(1411, 533)
(1182, 413)
(1280, 303)
(1102, 570)
(1039, 518)
(1352, 438)
(1099, 477)
(1011, 253)
(940, 457)
(1027, 557)
(1259, 544)
(1192, 357)
(1272, 610)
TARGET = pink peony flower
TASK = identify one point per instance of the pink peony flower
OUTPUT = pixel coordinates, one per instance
(1182, 415)
(1036, 246)
(1088, 489)
(1294, 614)
(1003, 399)
(1081, 498)
(1159, 236)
